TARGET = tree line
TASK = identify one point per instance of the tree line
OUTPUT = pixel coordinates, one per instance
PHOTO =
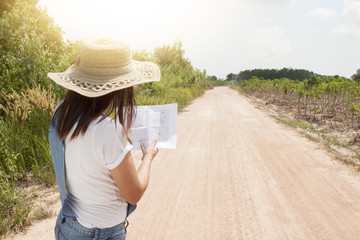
(289, 73)
(296, 74)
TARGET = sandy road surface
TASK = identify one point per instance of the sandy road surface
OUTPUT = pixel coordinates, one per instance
(236, 174)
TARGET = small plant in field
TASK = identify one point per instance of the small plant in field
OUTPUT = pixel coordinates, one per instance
(41, 213)
(299, 124)
(15, 206)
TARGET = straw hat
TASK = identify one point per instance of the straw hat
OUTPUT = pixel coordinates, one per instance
(104, 66)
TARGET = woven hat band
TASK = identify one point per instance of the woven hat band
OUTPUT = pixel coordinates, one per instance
(105, 58)
(107, 72)
(104, 53)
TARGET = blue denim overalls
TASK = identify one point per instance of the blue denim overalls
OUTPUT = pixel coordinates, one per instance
(66, 225)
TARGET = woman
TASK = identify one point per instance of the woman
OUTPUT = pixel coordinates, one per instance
(91, 149)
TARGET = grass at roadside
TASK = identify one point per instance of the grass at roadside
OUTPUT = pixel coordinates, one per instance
(15, 206)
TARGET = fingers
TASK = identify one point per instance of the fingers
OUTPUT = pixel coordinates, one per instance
(150, 148)
(153, 144)
(142, 148)
(150, 151)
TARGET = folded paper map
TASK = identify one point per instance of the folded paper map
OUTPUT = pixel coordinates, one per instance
(155, 122)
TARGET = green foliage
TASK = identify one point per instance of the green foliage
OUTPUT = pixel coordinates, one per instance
(31, 45)
(11, 163)
(24, 130)
(213, 78)
(5, 5)
(144, 55)
(313, 81)
(23, 149)
(180, 82)
(296, 123)
(231, 76)
(316, 99)
(171, 55)
(356, 76)
(272, 74)
(15, 206)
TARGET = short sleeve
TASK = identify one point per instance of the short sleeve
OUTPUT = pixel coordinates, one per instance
(110, 145)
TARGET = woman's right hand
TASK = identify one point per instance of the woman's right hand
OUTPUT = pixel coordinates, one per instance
(150, 151)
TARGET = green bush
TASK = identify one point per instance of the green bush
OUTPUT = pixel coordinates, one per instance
(31, 45)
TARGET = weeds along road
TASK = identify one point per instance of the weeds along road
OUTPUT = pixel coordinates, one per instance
(237, 174)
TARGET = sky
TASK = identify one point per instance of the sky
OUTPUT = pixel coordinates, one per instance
(226, 36)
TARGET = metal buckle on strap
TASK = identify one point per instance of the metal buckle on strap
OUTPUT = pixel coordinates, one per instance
(126, 223)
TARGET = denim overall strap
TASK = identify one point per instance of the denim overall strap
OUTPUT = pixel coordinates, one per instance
(130, 209)
(57, 148)
(57, 153)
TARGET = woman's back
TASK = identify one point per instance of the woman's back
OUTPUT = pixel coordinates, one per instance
(92, 193)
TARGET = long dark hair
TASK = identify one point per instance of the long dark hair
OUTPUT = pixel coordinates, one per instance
(84, 110)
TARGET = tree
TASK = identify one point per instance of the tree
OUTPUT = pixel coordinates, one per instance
(213, 77)
(176, 70)
(167, 55)
(6, 5)
(30, 46)
(231, 76)
(356, 76)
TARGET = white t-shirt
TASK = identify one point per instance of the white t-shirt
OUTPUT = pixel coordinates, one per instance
(92, 193)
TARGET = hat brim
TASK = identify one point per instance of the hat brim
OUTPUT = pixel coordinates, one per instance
(90, 86)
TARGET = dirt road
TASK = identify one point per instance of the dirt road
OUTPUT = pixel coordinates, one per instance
(237, 174)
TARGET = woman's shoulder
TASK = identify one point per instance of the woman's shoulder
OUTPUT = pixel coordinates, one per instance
(105, 123)
(107, 127)
(109, 141)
